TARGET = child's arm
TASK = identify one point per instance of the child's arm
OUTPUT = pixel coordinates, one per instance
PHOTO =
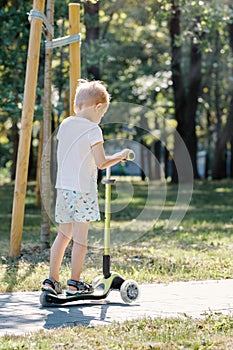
(102, 161)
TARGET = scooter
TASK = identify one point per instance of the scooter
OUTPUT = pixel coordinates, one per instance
(102, 285)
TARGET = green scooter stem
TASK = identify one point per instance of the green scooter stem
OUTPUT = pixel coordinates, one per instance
(108, 182)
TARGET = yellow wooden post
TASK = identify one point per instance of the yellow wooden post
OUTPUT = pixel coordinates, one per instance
(26, 131)
(75, 65)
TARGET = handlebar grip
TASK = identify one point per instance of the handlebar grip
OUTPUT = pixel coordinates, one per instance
(131, 156)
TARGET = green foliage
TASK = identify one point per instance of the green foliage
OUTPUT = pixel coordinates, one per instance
(14, 29)
(132, 55)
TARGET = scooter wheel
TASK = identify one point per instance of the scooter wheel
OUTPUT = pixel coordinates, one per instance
(43, 299)
(129, 291)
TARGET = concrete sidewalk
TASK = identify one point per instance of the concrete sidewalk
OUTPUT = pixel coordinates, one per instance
(21, 313)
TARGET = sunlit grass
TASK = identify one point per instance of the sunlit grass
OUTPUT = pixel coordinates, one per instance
(148, 250)
(210, 332)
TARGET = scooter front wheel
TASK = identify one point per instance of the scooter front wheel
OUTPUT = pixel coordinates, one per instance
(129, 291)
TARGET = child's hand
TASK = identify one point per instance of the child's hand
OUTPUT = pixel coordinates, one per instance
(124, 154)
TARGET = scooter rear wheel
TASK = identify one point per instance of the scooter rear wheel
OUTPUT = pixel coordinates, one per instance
(96, 281)
(129, 291)
(43, 299)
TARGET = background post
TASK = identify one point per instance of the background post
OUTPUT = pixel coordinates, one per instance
(26, 131)
(75, 65)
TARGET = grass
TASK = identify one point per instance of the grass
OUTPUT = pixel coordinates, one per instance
(146, 249)
(211, 332)
(198, 248)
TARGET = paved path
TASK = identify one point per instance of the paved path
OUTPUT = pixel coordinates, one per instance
(21, 312)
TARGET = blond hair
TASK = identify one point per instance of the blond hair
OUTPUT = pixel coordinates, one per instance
(89, 93)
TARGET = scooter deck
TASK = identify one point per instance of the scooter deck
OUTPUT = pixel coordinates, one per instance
(102, 288)
(63, 299)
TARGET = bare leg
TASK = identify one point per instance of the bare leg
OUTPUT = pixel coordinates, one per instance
(79, 249)
(58, 249)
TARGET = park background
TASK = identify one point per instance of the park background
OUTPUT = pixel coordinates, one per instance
(175, 58)
(176, 63)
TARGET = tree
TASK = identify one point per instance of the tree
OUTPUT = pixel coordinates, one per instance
(224, 134)
(91, 21)
(186, 98)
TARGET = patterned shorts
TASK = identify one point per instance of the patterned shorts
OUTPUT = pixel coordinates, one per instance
(73, 206)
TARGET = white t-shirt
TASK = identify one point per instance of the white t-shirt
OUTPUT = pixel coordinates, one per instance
(77, 170)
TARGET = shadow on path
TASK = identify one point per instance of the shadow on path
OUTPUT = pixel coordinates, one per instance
(87, 314)
(21, 313)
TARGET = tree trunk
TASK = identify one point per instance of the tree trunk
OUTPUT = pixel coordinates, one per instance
(179, 92)
(32, 162)
(146, 165)
(166, 163)
(193, 94)
(219, 166)
(231, 161)
(15, 139)
(45, 178)
(157, 149)
(38, 167)
(224, 134)
(91, 20)
(185, 141)
(142, 161)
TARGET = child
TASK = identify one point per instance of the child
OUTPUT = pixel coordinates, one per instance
(80, 152)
